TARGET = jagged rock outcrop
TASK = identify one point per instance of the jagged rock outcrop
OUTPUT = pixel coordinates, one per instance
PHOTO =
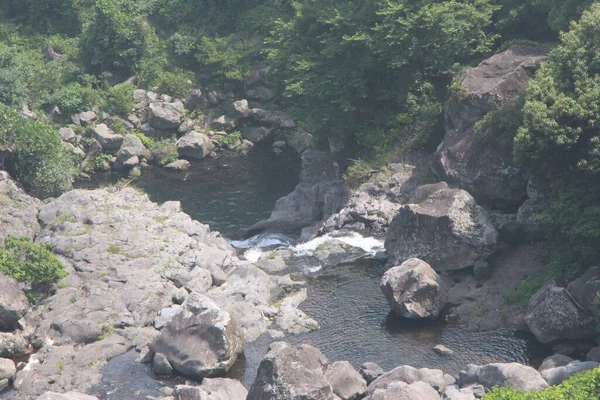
(19, 210)
(414, 290)
(443, 226)
(13, 304)
(318, 195)
(484, 167)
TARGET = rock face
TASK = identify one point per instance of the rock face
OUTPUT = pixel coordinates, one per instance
(195, 145)
(107, 138)
(318, 195)
(13, 304)
(552, 314)
(485, 168)
(19, 210)
(414, 290)
(288, 373)
(445, 227)
(165, 116)
(201, 340)
(511, 374)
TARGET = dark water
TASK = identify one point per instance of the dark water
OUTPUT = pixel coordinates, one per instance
(229, 194)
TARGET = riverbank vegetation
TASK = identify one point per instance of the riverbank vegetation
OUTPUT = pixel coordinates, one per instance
(373, 74)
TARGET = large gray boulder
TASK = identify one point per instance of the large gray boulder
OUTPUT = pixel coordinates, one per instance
(109, 140)
(165, 116)
(7, 369)
(555, 376)
(238, 109)
(584, 291)
(435, 378)
(289, 373)
(554, 361)
(132, 146)
(317, 196)
(513, 375)
(13, 304)
(257, 134)
(445, 227)
(414, 290)
(195, 145)
(346, 383)
(19, 210)
(485, 168)
(212, 389)
(403, 391)
(552, 314)
(65, 396)
(201, 340)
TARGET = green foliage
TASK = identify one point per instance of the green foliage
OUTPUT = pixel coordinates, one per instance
(529, 287)
(228, 57)
(31, 262)
(231, 138)
(176, 83)
(147, 141)
(582, 386)
(502, 124)
(75, 98)
(120, 98)
(15, 76)
(41, 163)
(100, 160)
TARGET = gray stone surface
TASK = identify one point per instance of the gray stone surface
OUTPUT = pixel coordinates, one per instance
(346, 383)
(435, 378)
(132, 147)
(514, 375)
(555, 376)
(179, 165)
(445, 227)
(13, 304)
(165, 116)
(195, 145)
(414, 290)
(110, 141)
(7, 369)
(370, 371)
(404, 391)
(65, 396)
(557, 360)
(19, 210)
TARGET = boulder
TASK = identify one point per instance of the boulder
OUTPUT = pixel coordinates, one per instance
(67, 134)
(201, 340)
(195, 145)
(179, 165)
(65, 396)
(434, 378)
(193, 100)
(552, 314)
(555, 376)
(107, 138)
(87, 117)
(7, 369)
(414, 290)
(370, 371)
(445, 227)
(93, 150)
(165, 116)
(225, 122)
(454, 392)
(289, 373)
(404, 391)
(257, 134)
(484, 167)
(318, 195)
(212, 389)
(19, 210)
(13, 304)
(513, 375)
(557, 360)
(301, 141)
(346, 383)
(139, 98)
(132, 147)
(238, 109)
(585, 290)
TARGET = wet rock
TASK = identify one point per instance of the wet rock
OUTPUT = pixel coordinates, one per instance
(403, 391)
(446, 228)
(435, 378)
(557, 360)
(200, 341)
(346, 383)
(555, 376)
(13, 304)
(513, 375)
(552, 314)
(485, 168)
(7, 369)
(370, 371)
(165, 116)
(19, 210)
(107, 138)
(195, 145)
(132, 147)
(179, 165)
(161, 365)
(289, 373)
(335, 252)
(293, 320)
(414, 290)
(66, 396)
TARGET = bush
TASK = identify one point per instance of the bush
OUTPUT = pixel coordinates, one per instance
(41, 163)
(120, 98)
(75, 98)
(176, 83)
(583, 386)
(26, 261)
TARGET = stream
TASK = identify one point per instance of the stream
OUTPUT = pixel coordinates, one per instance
(232, 193)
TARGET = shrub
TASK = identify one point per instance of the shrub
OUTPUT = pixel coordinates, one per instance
(26, 261)
(120, 98)
(176, 83)
(74, 98)
(41, 163)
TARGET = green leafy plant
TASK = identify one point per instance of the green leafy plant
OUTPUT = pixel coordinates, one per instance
(120, 98)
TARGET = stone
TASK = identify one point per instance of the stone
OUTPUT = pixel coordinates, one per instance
(346, 383)
(555, 376)
(513, 375)
(193, 100)
(370, 371)
(301, 141)
(179, 165)
(132, 147)
(67, 134)
(435, 378)
(483, 167)
(87, 117)
(403, 391)
(195, 145)
(257, 134)
(482, 270)
(13, 304)
(552, 314)
(94, 149)
(131, 162)
(8, 369)
(223, 389)
(291, 373)
(200, 281)
(134, 172)
(414, 290)
(593, 354)
(442, 350)
(19, 211)
(446, 228)
(200, 341)
(279, 144)
(165, 116)
(4, 384)
(454, 392)
(225, 122)
(238, 109)
(139, 98)
(557, 360)
(161, 365)
(585, 289)
(65, 396)
(109, 141)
